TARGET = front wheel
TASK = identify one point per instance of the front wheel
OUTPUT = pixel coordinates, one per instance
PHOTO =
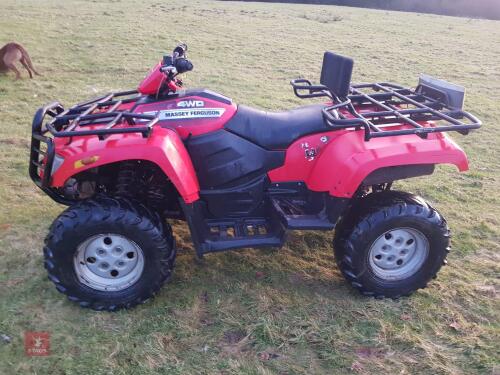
(391, 244)
(109, 253)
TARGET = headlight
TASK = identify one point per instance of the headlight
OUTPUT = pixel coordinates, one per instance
(58, 161)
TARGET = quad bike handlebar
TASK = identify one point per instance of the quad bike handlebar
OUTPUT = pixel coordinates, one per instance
(177, 63)
(173, 65)
(162, 79)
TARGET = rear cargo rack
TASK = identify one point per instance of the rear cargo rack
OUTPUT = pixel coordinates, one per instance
(379, 108)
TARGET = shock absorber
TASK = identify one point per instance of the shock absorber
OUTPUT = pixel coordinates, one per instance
(156, 192)
(126, 181)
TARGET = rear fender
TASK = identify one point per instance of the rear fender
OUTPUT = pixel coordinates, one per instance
(344, 159)
(163, 147)
(346, 162)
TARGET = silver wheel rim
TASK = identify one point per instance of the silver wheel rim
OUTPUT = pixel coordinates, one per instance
(398, 253)
(108, 262)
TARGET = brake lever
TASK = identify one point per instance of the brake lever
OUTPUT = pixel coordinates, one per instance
(168, 69)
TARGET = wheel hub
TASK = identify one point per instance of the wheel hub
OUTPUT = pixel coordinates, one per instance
(398, 253)
(108, 262)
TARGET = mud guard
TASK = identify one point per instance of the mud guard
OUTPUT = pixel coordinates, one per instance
(353, 166)
(343, 160)
(163, 147)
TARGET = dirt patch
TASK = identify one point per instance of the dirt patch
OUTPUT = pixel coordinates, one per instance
(16, 142)
(234, 343)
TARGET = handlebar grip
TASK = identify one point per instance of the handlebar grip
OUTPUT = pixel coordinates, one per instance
(183, 65)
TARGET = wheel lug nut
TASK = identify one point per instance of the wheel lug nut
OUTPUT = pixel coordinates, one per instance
(117, 251)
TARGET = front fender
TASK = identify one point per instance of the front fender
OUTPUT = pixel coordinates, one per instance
(163, 147)
(348, 160)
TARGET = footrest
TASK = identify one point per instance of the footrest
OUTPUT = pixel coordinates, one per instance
(294, 215)
(238, 233)
(213, 235)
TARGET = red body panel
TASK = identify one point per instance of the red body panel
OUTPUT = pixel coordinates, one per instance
(163, 147)
(342, 160)
(345, 159)
(151, 83)
(194, 125)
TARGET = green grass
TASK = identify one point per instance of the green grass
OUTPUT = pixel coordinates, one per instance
(297, 315)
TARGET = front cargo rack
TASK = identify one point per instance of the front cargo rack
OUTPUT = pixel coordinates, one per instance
(104, 112)
(100, 117)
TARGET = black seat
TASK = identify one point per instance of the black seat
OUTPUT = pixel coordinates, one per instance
(276, 130)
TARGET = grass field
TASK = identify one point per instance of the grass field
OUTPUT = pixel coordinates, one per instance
(285, 311)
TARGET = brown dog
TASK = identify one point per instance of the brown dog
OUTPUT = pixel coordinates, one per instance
(12, 53)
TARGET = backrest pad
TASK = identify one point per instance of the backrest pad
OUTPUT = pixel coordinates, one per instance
(336, 73)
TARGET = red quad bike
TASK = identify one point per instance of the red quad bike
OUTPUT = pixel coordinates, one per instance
(240, 177)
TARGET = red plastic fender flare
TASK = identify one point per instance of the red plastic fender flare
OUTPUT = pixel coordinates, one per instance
(163, 147)
(344, 159)
(352, 166)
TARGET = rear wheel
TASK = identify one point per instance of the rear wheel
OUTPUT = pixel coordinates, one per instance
(391, 244)
(109, 253)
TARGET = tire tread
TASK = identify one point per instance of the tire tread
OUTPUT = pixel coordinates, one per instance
(104, 208)
(365, 213)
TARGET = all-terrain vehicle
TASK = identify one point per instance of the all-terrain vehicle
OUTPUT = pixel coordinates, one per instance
(241, 177)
